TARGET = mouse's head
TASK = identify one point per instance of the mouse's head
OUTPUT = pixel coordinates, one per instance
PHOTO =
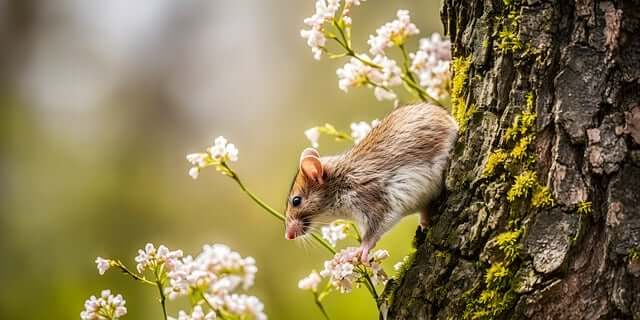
(308, 195)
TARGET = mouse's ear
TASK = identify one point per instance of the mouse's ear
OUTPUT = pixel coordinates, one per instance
(310, 165)
(309, 152)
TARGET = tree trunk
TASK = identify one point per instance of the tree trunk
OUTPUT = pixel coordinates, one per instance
(542, 215)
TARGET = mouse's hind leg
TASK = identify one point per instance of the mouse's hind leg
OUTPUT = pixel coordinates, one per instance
(424, 218)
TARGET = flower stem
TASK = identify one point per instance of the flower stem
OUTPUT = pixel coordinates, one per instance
(323, 243)
(163, 299)
(255, 198)
(369, 284)
(219, 313)
(157, 271)
(270, 210)
(318, 302)
(408, 77)
(126, 271)
(408, 73)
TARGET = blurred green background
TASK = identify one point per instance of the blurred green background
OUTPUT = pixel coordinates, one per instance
(101, 100)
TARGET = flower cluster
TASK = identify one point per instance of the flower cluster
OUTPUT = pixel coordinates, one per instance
(196, 314)
(334, 232)
(211, 280)
(346, 270)
(325, 12)
(313, 135)
(151, 258)
(103, 265)
(315, 36)
(432, 64)
(244, 307)
(216, 269)
(107, 306)
(381, 75)
(216, 273)
(359, 130)
(218, 154)
(392, 33)
(310, 282)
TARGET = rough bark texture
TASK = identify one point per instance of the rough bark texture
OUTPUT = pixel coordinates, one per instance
(579, 62)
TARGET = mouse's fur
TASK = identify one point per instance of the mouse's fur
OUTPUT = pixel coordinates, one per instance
(396, 170)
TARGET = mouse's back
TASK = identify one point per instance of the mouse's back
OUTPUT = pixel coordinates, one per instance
(409, 135)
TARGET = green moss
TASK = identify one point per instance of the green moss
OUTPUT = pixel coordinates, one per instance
(487, 296)
(634, 254)
(522, 185)
(402, 266)
(584, 208)
(459, 110)
(489, 305)
(495, 274)
(508, 243)
(441, 254)
(495, 159)
(508, 41)
(485, 43)
(530, 99)
(519, 151)
(542, 197)
(522, 125)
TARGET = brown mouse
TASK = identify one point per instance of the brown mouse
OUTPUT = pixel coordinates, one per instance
(396, 170)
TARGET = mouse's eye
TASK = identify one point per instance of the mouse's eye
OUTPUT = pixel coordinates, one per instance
(296, 201)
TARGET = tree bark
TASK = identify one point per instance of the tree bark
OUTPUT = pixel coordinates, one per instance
(574, 65)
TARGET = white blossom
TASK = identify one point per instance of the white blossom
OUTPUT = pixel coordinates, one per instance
(384, 94)
(316, 39)
(432, 65)
(222, 150)
(334, 232)
(196, 314)
(107, 306)
(244, 306)
(341, 270)
(103, 265)
(353, 74)
(389, 75)
(356, 73)
(151, 257)
(354, 2)
(380, 255)
(392, 33)
(359, 130)
(194, 172)
(310, 282)
(400, 264)
(216, 269)
(346, 12)
(198, 159)
(313, 134)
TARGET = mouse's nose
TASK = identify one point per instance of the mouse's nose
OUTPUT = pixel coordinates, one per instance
(290, 235)
(293, 230)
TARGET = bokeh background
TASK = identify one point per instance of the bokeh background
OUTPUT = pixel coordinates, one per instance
(101, 100)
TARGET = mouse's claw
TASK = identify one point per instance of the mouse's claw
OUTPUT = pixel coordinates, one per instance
(364, 254)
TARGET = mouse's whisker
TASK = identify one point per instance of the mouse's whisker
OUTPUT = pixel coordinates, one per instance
(307, 239)
(303, 244)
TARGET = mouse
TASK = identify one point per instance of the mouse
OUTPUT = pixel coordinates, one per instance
(396, 170)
